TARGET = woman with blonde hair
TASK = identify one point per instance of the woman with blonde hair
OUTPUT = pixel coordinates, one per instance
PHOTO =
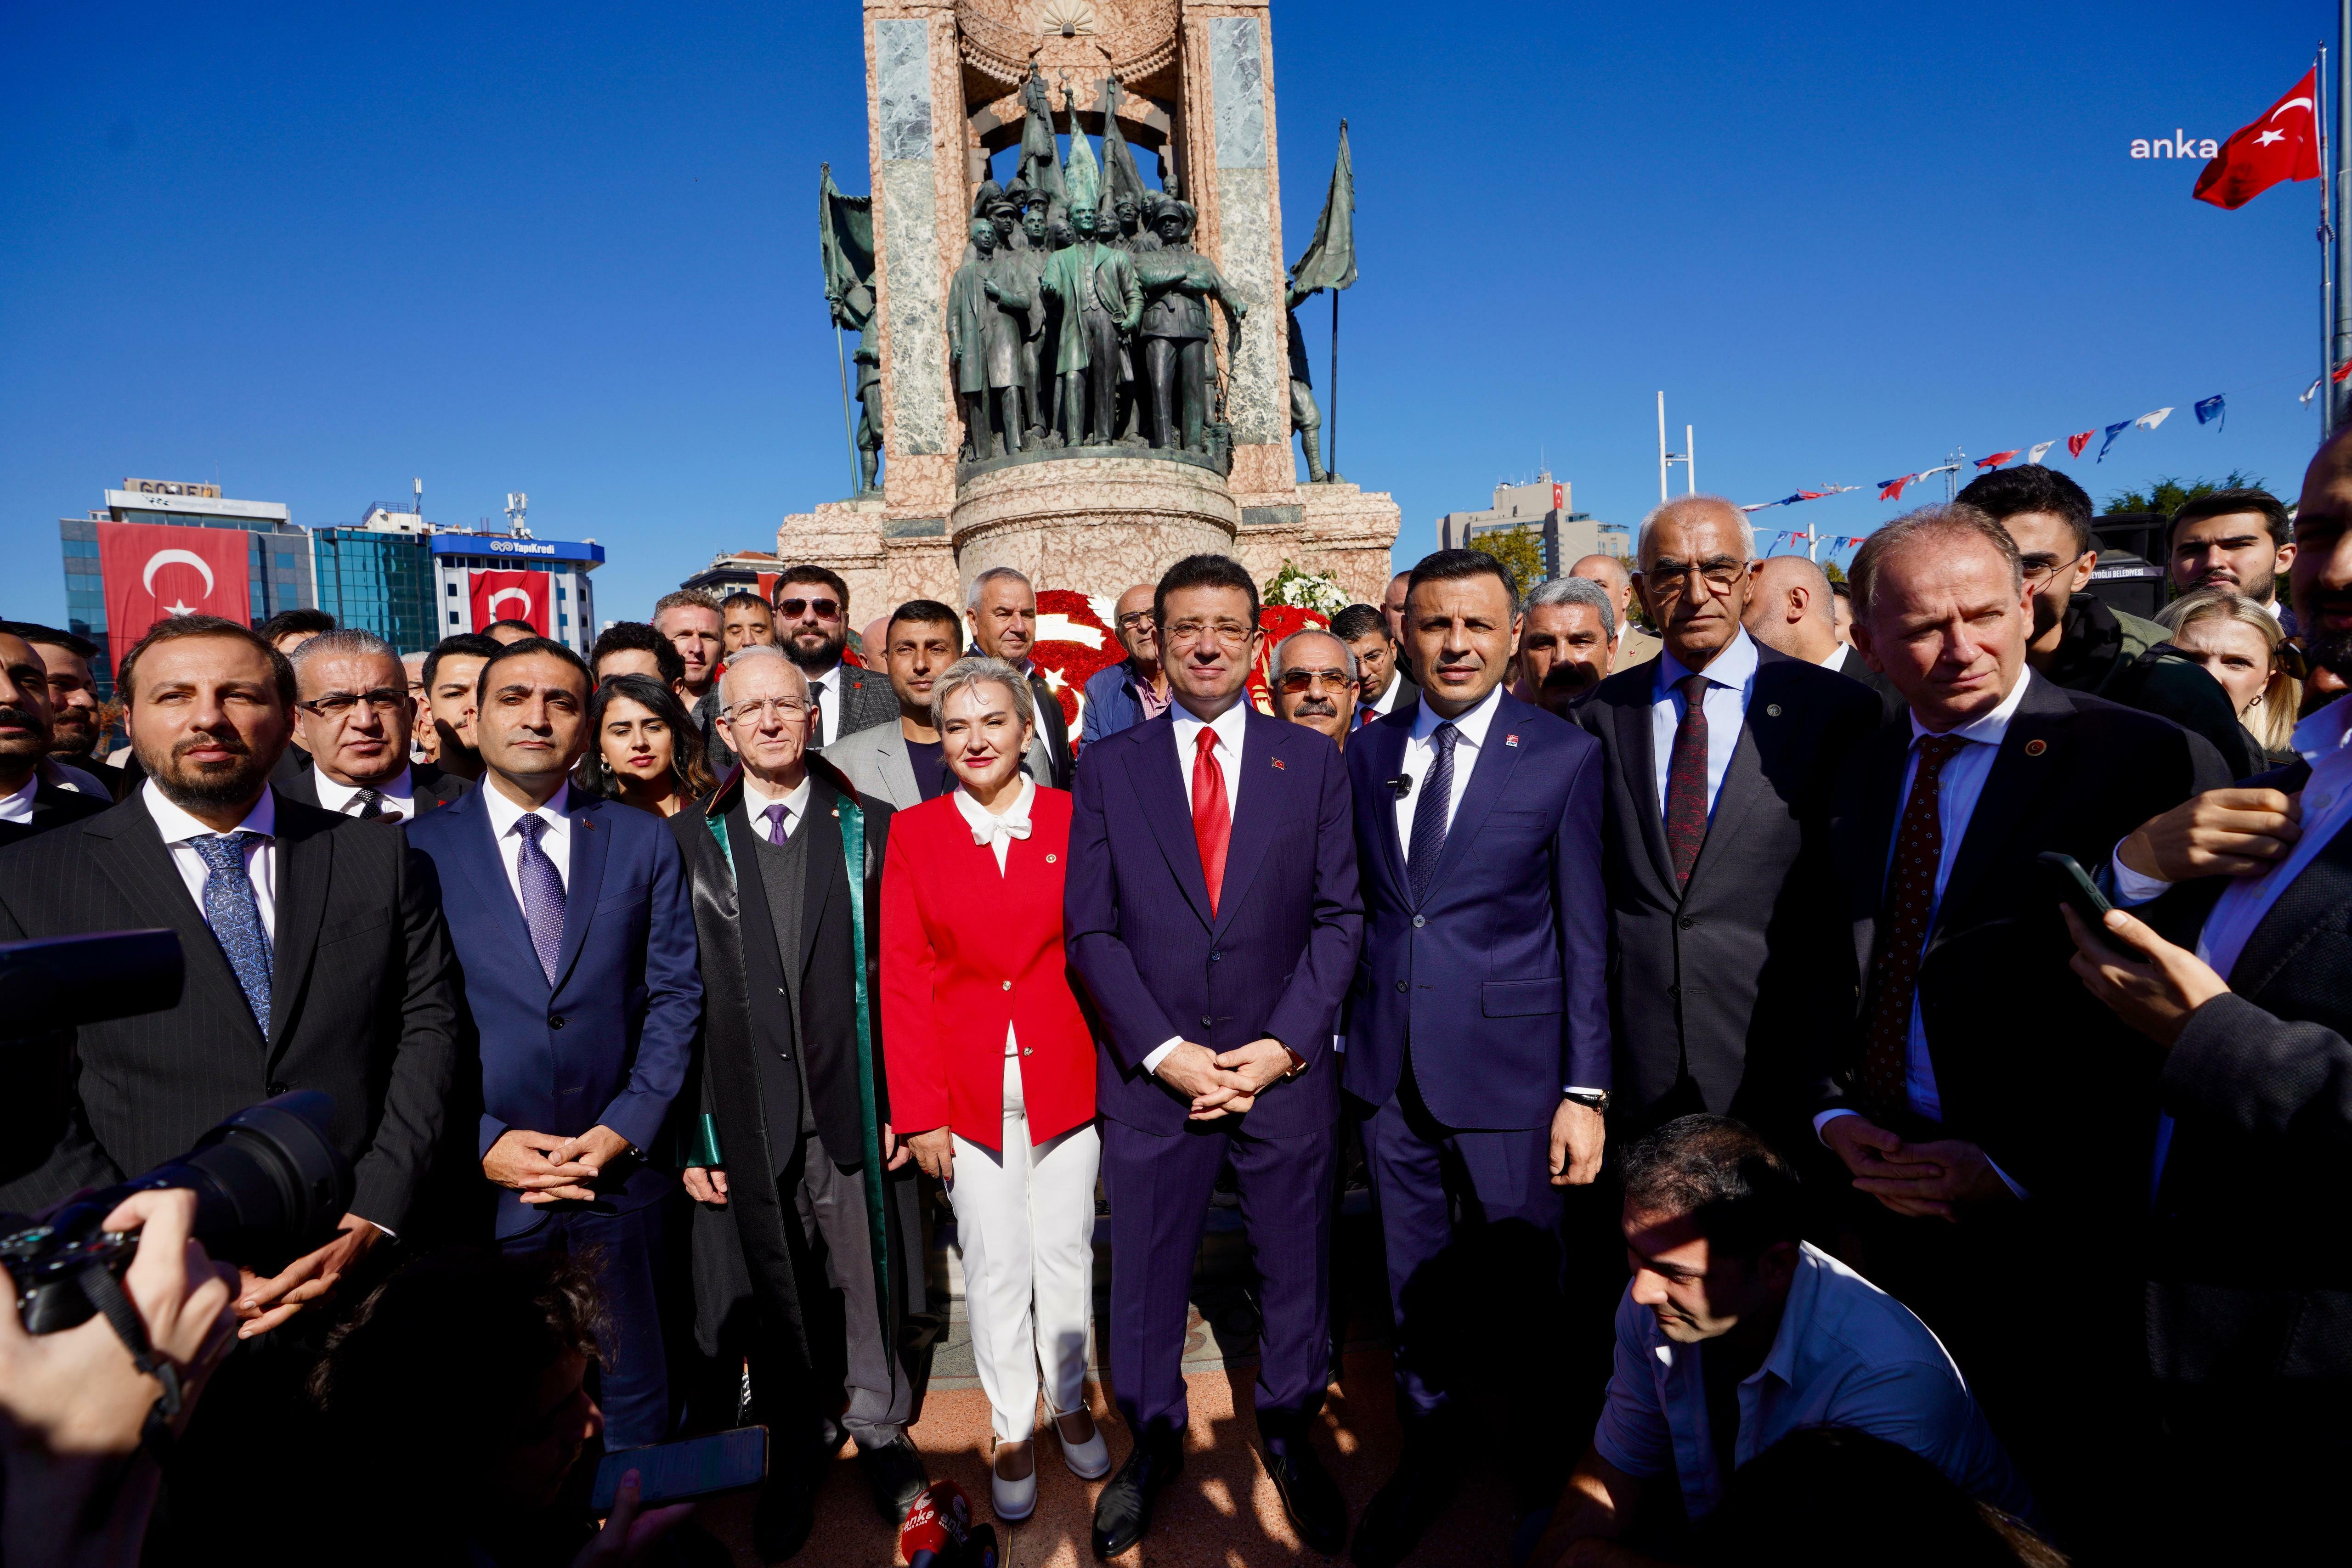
(2237, 642)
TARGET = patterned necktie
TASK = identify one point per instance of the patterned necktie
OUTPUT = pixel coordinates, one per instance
(1213, 819)
(775, 817)
(235, 915)
(1686, 780)
(542, 894)
(1430, 812)
(368, 805)
(1903, 931)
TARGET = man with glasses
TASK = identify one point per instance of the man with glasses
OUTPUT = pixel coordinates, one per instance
(1134, 689)
(2080, 642)
(1721, 754)
(812, 629)
(1381, 685)
(1314, 679)
(352, 711)
(1212, 910)
(784, 1135)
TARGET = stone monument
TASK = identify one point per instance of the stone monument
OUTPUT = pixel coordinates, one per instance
(965, 99)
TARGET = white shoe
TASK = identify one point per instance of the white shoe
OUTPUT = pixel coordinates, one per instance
(1014, 1500)
(1089, 1460)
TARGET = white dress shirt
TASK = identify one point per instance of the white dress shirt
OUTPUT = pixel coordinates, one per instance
(826, 689)
(2324, 741)
(178, 829)
(18, 807)
(1388, 700)
(1731, 677)
(1959, 785)
(1421, 754)
(1229, 727)
(758, 798)
(998, 831)
(1840, 656)
(556, 840)
(399, 794)
(64, 776)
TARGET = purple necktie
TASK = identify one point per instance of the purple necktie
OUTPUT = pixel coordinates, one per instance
(543, 894)
(1686, 780)
(775, 815)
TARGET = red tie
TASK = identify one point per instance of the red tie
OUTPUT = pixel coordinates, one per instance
(1365, 714)
(1213, 822)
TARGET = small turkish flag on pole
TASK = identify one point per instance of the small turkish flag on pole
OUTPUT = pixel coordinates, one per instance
(153, 572)
(2282, 145)
(509, 596)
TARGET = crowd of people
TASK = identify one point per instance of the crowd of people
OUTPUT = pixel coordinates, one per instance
(1690, 916)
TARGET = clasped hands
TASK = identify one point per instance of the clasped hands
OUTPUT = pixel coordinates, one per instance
(545, 1167)
(1938, 1178)
(1223, 1083)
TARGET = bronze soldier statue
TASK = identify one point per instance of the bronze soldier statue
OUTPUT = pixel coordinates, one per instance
(985, 338)
(1178, 283)
(1101, 303)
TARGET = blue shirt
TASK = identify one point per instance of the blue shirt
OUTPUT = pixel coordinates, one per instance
(1731, 677)
(1846, 1354)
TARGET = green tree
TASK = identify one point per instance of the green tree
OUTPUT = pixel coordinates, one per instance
(1835, 572)
(1521, 550)
(2169, 495)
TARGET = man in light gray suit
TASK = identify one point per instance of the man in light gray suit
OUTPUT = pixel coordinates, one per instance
(900, 760)
(1718, 757)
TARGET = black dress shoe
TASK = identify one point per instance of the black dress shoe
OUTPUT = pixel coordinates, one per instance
(1309, 1494)
(1403, 1507)
(785, 1514)
(1123, 1512)
(895, 1476)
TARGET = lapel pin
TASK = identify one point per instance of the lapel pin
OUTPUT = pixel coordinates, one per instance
(1510, 740)
(1049, 860)
(1277, 763)
(2036, 748)
(1771, 710)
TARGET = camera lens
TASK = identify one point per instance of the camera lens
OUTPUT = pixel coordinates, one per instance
(269, 1184)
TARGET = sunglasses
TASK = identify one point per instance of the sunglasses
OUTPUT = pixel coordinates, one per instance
(825, 608)
(1296, 681)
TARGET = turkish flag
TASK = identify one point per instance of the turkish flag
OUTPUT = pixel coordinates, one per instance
(153, 571)
(510, 596)
(2282, 145)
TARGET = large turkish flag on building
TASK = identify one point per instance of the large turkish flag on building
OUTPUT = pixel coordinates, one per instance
(153, 571)
(512, 595)
(2282, 145)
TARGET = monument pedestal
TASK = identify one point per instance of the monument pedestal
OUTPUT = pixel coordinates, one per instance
(1091, 523)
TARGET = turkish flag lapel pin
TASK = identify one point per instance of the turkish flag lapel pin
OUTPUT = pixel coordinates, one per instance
(1277, 764)
(1510, 740)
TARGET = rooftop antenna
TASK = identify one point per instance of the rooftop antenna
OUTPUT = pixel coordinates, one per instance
(517, 508)
(418, 485)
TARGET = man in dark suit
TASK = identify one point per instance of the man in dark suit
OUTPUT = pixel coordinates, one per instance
(1002, 611)
(574, 933)
(1718, 863)
(2250, 1324)
(316, 958)
(812, 629)
(793, 1098)
(2001, 1120)
(1382, 686)
(29, 803)
(1478, 1030)
(1211, 911)
(352, 713)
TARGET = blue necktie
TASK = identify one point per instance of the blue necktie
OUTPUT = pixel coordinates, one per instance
(231, 910)
(543, 894)
(1429, 813)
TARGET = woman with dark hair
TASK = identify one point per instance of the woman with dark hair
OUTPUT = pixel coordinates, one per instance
(647, 751)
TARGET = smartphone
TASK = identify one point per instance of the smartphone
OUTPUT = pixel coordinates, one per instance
(698, 1466)
(2076, 886)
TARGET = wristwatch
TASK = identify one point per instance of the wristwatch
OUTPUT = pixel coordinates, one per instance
(1596, 1100)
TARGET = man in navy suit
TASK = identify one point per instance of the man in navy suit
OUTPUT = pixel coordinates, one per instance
(1212, 911)
(1478, 1033)
(575, 929)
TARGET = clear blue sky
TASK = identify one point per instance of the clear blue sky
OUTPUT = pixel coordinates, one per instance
(569, 249)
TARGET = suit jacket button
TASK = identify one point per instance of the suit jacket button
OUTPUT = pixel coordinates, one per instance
(1687, 923)
(1207, 1023)
(1026, 1052)
(1400, 985)
(1419, 921)
(1008, 985)
(555, 1021)
(1216, 956)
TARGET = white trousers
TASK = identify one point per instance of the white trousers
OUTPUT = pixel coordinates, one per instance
(1026, 1221)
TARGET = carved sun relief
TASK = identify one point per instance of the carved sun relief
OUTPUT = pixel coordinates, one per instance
(1068, 18)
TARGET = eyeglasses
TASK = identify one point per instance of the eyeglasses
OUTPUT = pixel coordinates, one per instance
(1718, 575)
(1133, 619)
(1232, 633)
(2040, 569)
(787, 709)
(335, 705)
(1295, 682)
(825, 608)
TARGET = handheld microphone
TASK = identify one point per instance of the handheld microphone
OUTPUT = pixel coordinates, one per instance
(1401, 786)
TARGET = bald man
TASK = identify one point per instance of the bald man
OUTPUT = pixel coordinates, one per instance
(1792, 607)
(1392, 611)
(1635, 646)
(1718, 757)
(1134, 689)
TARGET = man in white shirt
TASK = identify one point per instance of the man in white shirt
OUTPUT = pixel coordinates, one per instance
(1999, 1122)
(353, 714)
(2237, 538)
(811, 622)
(28, 801)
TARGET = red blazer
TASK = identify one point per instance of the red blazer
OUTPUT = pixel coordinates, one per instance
(966, 950)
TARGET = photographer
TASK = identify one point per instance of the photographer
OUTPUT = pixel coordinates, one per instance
(75, 1484)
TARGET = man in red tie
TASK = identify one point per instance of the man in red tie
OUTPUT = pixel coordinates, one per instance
(1213, 913)
(2002, 1121)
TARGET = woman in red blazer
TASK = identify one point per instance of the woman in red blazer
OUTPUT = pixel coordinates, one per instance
(991, 1066)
